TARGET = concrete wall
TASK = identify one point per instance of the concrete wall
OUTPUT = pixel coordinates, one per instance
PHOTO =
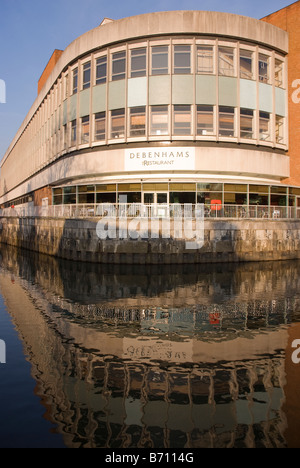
(224, 241)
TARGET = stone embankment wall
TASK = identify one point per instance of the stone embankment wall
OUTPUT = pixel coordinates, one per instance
(229, 240)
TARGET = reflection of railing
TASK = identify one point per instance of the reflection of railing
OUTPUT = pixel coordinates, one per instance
(172, 210)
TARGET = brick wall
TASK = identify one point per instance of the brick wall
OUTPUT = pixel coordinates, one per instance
(288, 19)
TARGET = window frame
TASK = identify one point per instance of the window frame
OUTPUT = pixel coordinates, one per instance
(139, 72)
(167, 53)
(122, 75)
(102, 79)
(211, 71)
(154, 111)
(209, 134)
(179, 69)
(119, 132)
(228, 72)
(182, 110)
(139, 111)
(86, 69)
(100, 119)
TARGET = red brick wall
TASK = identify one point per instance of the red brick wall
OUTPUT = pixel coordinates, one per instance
(49, 67)
(289, 19)
(45, 192)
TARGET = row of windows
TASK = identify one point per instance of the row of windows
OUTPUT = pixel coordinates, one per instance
(209, 59)
(208, 121)
(207, 193)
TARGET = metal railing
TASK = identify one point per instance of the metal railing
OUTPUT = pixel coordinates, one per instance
(131, 210)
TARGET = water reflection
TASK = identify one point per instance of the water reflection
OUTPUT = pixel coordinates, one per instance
(160, 357)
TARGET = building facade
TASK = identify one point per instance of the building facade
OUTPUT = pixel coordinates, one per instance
(163, 108)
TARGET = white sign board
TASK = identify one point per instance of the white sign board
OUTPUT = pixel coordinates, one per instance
(160, 159)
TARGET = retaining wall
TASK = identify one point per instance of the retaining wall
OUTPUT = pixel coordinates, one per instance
(229, 240)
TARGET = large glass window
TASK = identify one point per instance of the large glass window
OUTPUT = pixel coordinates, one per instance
(75, 80)
(138, 62)
(85, 129)
(69, 195)
(117, 123)
(205, 59)
(205, 120)
(137, 121)
(182, 59)
(226, 121)
(246, 64)
(182, 120)
(159, 120)
(246, 123)
(86, 78)
(264, 126)
(263, 68)
(100, 126)
(119, 66)
(227, 61)
(160, 60)
(101, 70)
(86, 194)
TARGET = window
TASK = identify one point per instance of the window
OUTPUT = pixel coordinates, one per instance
(69, 195)
(119, 66)
(73, 132)
(66, 86)
(263, 68)
(246, 64)
(160, 60)
(205, 59)
(205, 120)
(226, 121)
(159, 120)
(86, 194)
(75, 80)
(138, 62)
(100, 124)
(101, 70)
(86, 79)
(138, 121)
(279, 128)
(264, 126)
(85, 129)
(182, 59)
(246, 123)
(117, 123)
(226, 61)
(65, 137)
(278, 73)
(182, 120)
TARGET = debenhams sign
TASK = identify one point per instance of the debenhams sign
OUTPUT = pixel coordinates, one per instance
(160, 159)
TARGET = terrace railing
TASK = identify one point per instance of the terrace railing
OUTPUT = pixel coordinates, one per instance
(131, 210)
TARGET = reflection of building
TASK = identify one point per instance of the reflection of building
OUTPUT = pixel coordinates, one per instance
(104, 387)
(173, 107)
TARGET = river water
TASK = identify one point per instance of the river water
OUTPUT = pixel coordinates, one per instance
(148, 357)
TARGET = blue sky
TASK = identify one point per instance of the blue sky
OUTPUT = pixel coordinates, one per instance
(30, 30)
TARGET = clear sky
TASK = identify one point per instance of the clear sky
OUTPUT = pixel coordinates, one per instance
(30, 30)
